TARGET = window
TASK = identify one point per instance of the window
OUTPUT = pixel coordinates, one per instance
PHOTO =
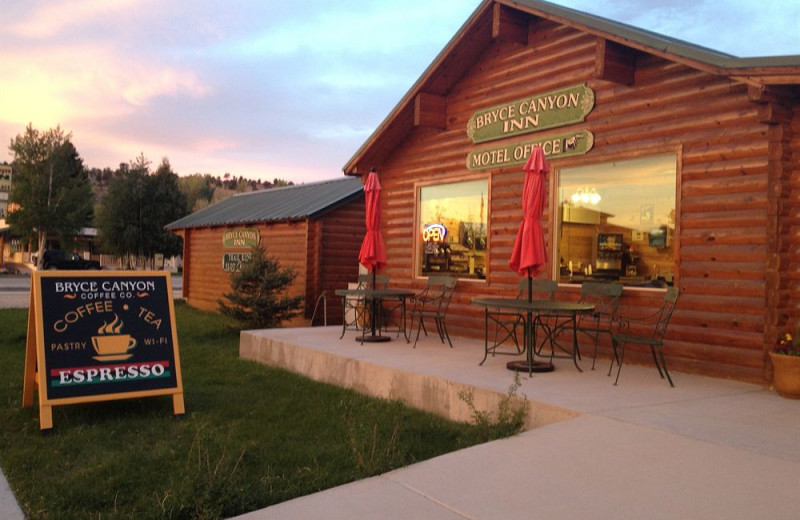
(616, 221)
(451, 229)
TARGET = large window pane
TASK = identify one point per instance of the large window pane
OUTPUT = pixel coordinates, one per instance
(451, 234)
(617, 221)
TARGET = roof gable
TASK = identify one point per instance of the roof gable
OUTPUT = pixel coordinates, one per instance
(425, 104)
(277, 204)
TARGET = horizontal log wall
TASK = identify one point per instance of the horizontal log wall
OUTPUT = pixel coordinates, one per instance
(723, 150)
(205, 282)
(791, 234)
(782, 303)
(338, 237)
(313, 267)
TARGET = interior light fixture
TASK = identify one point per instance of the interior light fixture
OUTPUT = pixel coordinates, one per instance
(586, 196)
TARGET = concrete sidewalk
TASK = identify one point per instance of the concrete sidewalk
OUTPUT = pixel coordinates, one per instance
(590, 467)
(706, 449)
(9, 509)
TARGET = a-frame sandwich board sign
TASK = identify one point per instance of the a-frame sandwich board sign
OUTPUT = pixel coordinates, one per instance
(100, 336)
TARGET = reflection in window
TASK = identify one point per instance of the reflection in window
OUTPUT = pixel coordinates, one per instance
(617, 222)
(451, 230)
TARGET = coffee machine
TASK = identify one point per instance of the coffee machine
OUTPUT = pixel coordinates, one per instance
(609, 253)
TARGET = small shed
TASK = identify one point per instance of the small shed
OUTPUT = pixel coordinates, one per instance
(299, 225)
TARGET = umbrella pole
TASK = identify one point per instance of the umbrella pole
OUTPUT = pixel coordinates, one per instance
(531, 326)
(374, 306)
(533, 365)
(530, 286)
(374, 300)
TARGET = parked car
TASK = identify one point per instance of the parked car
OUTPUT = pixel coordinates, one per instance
(57, 259)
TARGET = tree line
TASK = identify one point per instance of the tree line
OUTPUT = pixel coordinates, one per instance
(55, 195)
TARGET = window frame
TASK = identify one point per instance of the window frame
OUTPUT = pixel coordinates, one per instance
(417, 243)
(554, 209)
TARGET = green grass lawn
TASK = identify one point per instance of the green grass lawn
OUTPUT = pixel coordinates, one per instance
(252, 436)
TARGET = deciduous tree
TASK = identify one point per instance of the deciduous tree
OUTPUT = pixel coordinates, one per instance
(51, 187)
(198, 190)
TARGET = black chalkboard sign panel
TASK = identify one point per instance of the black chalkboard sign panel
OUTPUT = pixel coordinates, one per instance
(101, 336)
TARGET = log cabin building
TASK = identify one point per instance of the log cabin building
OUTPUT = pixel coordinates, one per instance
(670, 164)
(316, 229)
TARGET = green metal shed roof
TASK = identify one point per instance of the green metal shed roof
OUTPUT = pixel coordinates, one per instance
(276, 204)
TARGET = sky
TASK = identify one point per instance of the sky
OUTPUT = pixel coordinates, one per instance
(273, 89)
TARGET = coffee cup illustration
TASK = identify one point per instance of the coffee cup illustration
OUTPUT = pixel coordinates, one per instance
(110, 344)
(113, 345)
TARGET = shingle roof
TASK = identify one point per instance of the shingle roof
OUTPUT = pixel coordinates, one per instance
(276, 204)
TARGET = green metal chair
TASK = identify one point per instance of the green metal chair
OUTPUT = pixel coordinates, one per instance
(355, 307)
(605, 297)
(393, 315)
(649, 331)
(432, 303)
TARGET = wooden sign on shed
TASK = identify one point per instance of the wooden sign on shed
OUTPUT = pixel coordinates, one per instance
(95, 336)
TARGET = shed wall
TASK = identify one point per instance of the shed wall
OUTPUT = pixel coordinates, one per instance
(334, 243)
(204, 280)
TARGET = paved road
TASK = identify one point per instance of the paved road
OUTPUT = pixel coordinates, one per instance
(15, 290)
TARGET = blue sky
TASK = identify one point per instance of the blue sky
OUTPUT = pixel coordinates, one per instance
(268, 89)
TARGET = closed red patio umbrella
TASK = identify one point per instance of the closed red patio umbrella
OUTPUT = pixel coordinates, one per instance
(529, 254)
(373, 250)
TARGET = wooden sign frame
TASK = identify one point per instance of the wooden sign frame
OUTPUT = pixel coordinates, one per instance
(100, 336)
(553, 109)
(517, 153)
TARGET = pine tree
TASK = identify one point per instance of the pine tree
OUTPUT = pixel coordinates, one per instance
(137, 206)
(259, 298)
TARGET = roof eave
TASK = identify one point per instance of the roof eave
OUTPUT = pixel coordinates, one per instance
(774, 70)
(352, 167)
(667, 47)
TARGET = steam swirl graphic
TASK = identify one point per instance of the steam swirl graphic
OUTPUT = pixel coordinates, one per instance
(111, 328)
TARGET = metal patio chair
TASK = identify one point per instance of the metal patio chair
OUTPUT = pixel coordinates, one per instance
(649, 331)
(432, 303)
(392, 313)
(356, 308)
(605, 297)
(506, 323)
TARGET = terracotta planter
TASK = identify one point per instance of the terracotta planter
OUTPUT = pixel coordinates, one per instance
(786, 375)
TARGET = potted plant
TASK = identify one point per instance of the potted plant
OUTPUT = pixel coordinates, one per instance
(786, 365)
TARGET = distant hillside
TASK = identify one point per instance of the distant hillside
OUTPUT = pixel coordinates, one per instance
(201, 190)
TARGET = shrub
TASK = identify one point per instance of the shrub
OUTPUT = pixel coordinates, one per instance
(259, 297)
(510, 418)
